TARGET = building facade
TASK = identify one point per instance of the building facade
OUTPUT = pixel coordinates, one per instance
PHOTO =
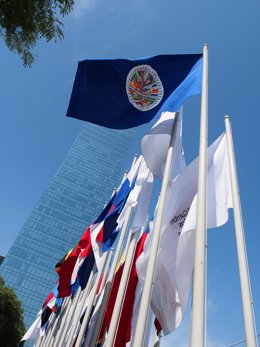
(77, 193)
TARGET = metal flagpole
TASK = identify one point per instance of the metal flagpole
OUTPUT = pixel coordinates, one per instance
(41, 339)
(92, 297)
(122, 287)
(48, 332)
(79, 309)
(60, 321)
(110, 254)
(148, 284)
(110, 278)
(81, 301)
(248, 311)
(197, 335)
(67, 319)
(74, 303)
(111, 275)
(55, 321)
(98, 297)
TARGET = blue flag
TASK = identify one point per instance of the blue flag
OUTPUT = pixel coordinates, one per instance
(121, 93)
(108, 233)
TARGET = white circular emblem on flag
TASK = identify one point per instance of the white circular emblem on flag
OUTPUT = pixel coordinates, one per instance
(144, 87)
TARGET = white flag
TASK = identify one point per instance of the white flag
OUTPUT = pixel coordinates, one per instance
(156, 142)
(34, 330)
(139, 198)
(175, 257)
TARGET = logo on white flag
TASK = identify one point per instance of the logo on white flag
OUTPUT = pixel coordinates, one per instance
(144, 87)
(180, 218)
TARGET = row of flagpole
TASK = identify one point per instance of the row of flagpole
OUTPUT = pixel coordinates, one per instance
(112, 272)
(122, 287)
(147, 290)
(72, 309)
(197, 334)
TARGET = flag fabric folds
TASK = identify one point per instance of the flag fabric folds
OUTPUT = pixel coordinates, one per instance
(175, 257)
(33, 332)
(104, 231)
(51, 304)
(156, 142)
(132, 294)
(108, 232)
(67, 265)
(139, 197)
(121, 93)
(98, 237)
(79, 261)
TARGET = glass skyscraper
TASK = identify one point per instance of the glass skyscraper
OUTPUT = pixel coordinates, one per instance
(77, 193)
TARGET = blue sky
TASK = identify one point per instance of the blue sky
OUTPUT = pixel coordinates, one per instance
(35, 134)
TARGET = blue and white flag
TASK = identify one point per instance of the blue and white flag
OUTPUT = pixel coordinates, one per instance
(121, 93)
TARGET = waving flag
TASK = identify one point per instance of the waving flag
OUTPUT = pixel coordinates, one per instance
(155, 145)
(108, 232)
(34, 330)
(65, 269)
(104, 231)
(175, 257)
(38, 327)
(139, 198)
(78, 262)
(132, 296)
(121, 93)
(99, 237)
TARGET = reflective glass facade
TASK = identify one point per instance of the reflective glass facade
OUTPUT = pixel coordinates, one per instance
(84, 181)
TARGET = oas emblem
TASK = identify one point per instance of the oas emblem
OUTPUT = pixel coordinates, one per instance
(144, 87)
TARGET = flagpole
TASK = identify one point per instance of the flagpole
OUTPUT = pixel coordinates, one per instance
(41, 340)
(99, 297)
(197, 335)
(49, 331)
(60, 321)
(67, 319)
(148, 284)
(130, 250)
(111, 275)
(75, 302)
(92, 297)
(53, 327)
(110, 278)
(106, 270)
(248, 312)
(58, 340)
(80, 305)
